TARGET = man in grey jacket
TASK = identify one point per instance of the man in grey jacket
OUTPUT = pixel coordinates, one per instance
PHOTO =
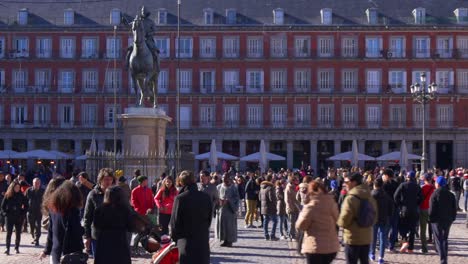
(205, 186)
(292, 204)
(268, 209)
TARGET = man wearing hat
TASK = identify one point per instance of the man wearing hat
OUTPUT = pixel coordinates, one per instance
(142, 197)
(442, 213)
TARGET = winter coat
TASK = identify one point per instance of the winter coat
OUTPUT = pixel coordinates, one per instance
(211, 190)
(15, 207)
(93, 201)
(165, 203)
(3, 189)
(442, 207)
(142, 199)
(385, 206)
(455, 184)
(251, 190)
(35, 200)
(126, 190)
(241, 190)
(317, 219)
(58, 224)
(427, 190)
(110, 227)
(408, 197)
(267, 198)
(190, 225)
(353, 234)
(292, 205)
(390, 187)
(280, 204)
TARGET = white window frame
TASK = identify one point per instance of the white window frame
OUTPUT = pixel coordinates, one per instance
(2, 47)
(41, 115)
(279, 116)
(231, 116)
(397, 80)
(231, 81)
(90, 80)
(110, 117)
(254, 46)
(113, 47)
(444, 47)
(462, 46)
(89, 115)
(163, 44)
(89, 48)
(302, 46)
(44, 47)
(254, 116)
(373, 80)
(113, 80)
(163, 81)
(422, 47)
(67, 47)
(350, 116)
(66, 120)
(445, 80)
(325, 115)
(19, 80)
(162, 16)
(19, 115)
(419, 15)
(302, 81)
(349, 48)
(207, 116)
(186, 81)
(185, 116)
(278, 82)
(42, 80)
(462, 80)
(325, 80)
(374, 47)
(2, 81)
(397, 116)
(255, 80)
(417, 116)
(207, 80)
(444, 116)
(208, 16)
(326, 16)
(186, 50)
(278, 46)
(278, 16)
(373, 116)
(231, 47)
(349, 80)
(66, 81)
(397, 47)
(302, 115)
(325, 46)
(21, 47)
(207, 47)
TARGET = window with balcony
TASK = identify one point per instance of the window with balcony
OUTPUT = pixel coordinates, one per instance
(278, 16)
(208, 16)
(462, 47)
(66, 116)
(325, 47)
(207, 116)
(325, 116)
(462, 80)
(89, 115)
(231, 47)
(115, 17)
(397, 116)
(185, 116)
(163, 81)
(302, 46)
(373, 81)
(186, 47)
(89, 48)
(19, 80)
(42, 80)
(349, 47)
(66, 81)
(207, 81)
(373, 116)
(254, 47)
(41, 115)
(278, 80)
(349, 80)
(20, 47)
(185, 80)
(254, 81)
(110, 117)
(231, 116)
(44, 48)
(278, 47)
(279, 116)
(325, 80)
(350, 116)
(113, 47)
(90, 81)
(207, 47)
(162, 16)
(418, 116)
(397, 48)
(422, 47)
(444, 47)
(302, 80)
(163, 44)
(67, 48)
(302, 115)
(19, 115)
(2, 47)
(254, 116)
(444, 116)
(444, 80)
(68, 17)
(231, 81)
(373, 47)
(397, 81)
(113, 80)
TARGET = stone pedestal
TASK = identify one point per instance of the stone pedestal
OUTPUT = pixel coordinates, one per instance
(144, 139)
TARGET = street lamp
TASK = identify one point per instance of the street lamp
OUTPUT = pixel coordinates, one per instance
(423, 94)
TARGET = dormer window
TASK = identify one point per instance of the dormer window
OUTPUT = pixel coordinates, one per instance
(372, 16)
(115, 17)
(278, 16)
(419, 15)
(461, 14)
(162, 16)
(23, 16)
(68, 17)
(231, 16)
(326, 15)
(208, 16)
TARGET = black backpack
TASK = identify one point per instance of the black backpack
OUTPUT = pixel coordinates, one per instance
(367, 213)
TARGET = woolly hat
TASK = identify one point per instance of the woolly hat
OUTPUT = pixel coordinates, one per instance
(441, 181)
(142, 179)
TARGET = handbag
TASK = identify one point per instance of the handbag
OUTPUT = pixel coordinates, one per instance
(75, 257)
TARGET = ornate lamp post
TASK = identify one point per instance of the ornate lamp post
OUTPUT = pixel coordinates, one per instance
(423, 94)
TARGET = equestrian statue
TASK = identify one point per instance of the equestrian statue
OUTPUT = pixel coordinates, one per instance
(143, 59)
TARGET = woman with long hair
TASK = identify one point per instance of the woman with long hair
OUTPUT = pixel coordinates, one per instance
(14, 208)
(65, 233)
(317, 219)
(164, 200)
(112, 220)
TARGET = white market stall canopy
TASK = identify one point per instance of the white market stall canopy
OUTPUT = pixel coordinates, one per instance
(255, 157)
(220, 155)
(349, 156)
(396, 155)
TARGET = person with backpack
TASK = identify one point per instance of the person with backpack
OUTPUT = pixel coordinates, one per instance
(357, 217)
(455, 185)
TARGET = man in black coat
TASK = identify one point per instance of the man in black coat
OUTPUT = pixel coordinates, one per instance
(190, 222)
(34, 195)
(390, 185)
(442, 213)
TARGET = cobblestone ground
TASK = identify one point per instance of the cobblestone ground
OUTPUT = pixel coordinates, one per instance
(252, 248)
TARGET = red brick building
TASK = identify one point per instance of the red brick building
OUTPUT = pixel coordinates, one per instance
(308, 78)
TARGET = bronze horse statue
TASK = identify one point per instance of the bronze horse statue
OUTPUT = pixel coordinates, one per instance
(143, 68)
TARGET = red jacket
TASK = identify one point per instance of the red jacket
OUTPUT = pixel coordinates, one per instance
(427, 191)
(142, 199)
(165, 203)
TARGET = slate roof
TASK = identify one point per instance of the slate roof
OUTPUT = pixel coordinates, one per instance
(96, 13)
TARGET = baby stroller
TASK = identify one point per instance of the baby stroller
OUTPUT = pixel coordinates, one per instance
(148, 235)
(168, 253)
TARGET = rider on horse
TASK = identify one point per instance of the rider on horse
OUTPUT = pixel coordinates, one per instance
(150, 28)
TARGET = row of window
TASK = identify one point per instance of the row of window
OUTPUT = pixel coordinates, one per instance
(326, 47)
(325, 116)
(232, 81)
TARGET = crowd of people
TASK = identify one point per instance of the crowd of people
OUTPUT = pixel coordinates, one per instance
(375, 210)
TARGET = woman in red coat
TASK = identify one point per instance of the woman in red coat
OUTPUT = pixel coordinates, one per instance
(164, 200)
